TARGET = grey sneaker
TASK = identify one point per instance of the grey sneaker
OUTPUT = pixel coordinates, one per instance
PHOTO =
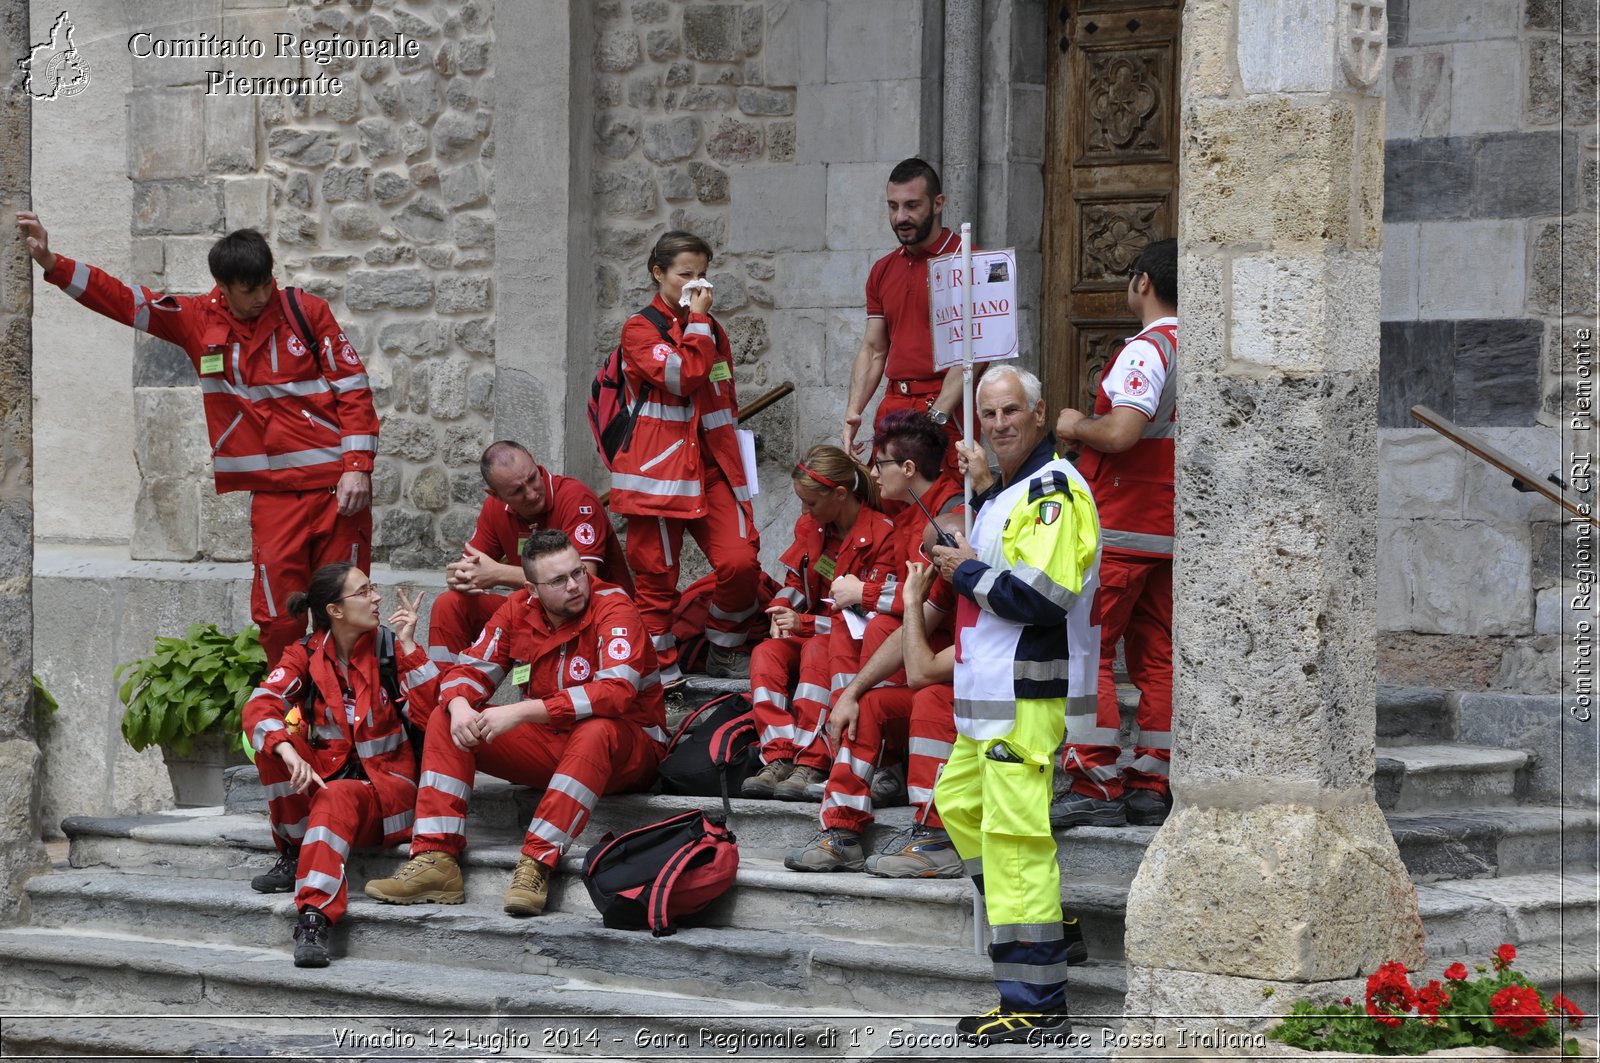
(919, 852)
(1147, 808)
(835, 849)
(765, 781)
(1075, 810)
(800, 777)
(281, 878)
(727, 664)
(889, 787)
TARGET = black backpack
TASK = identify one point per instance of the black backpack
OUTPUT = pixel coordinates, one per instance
(655, 876)
(610, 419)
(715, 750)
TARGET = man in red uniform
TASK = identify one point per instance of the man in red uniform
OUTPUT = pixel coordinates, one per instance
(898, 341)
(523, 498)
(290, 415)
(1127, 451)
(592, 722)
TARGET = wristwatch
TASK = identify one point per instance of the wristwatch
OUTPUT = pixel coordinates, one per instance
(936, 415)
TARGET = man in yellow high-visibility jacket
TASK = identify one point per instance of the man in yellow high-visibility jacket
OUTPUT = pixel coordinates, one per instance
(1027, 654)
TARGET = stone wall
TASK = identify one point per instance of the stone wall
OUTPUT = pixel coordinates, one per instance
(1489, 188)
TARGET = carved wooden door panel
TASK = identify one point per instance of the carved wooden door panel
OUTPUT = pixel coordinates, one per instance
(1111, 178)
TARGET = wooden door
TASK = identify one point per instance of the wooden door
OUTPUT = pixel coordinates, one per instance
(1111, 178)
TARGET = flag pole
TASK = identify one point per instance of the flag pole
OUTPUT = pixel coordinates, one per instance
(966, 365)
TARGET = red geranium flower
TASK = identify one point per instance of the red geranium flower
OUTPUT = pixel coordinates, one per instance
(1575, 1015)
(1430, 998)
(1390, 994)
(1456, 972)
(1503, 956)
(1517, 1010)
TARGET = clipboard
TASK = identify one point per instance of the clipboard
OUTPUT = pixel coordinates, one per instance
(1522, 478)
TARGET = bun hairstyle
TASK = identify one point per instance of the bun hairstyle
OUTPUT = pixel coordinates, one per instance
(825, 467)
(907, 435)
(327, 587)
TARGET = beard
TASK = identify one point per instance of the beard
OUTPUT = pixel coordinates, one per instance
(916, 235)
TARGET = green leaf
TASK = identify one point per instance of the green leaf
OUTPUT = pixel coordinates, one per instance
(42, 698)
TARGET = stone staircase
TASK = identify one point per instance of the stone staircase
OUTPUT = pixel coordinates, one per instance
(154, 916)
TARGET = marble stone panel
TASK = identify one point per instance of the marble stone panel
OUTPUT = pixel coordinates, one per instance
(1429, 179)
(1416, 365)
(1497, 371)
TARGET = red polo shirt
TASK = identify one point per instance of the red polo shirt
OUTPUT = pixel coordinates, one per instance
(573, 508)
(897, 291)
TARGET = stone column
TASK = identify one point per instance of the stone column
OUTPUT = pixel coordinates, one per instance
(20, 852)
(1276, 865)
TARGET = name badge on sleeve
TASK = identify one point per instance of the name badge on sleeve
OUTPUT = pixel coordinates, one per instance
(521, 673)
(721, 372)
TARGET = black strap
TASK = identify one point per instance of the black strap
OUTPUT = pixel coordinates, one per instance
(664, 327)
(292, 296)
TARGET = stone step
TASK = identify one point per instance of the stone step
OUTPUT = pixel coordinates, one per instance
(1414, 777)
(1414, 715)
(1471, 843)
(776, 967)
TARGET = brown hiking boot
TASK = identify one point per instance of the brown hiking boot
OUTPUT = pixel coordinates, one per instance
(765, 781)
(529, 889)
(431, 876)
(794, 787)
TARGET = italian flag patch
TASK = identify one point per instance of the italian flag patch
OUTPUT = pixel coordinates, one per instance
(1049, 512)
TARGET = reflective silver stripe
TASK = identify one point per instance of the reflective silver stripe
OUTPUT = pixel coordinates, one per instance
(330, 732)
(717, 419)
(839, 681)
(664, 642)
(741, 493)
(216, 385)
(292, 831)
(266, 588)
(1046, 974)
(1150, 765)
(811, 692)
(580, 703)
(398, 822)
(664, 455)
(655, 733)
(985, 584)
(1059, 596)
(574, 789)
(1042, 671)
(375, 746)
(1111, 539)
(463, 681)
(886, 596)
(1000, 935)
(141, 311)
(328, 838)
(928, 747)
(610, 591)
(296, 459)
(824, 625)
(774, 698)
(279, 789)
(861, 768)
(317, 880)
(420, 675)
(673, 372)
(792, 595)
(80, 280)
(623, 672)
(439, 825)
(974, 709)
(442, 654)
(744, 532)
(547, 831)
(491, 672)
(651, 680)
(1161, 425)
(726, 639)
(349, 443)
(835, 799)
(445, 784)
(646, 485)
(350, 383)
(263, 692)
(1083, 704)
(733, 618)
(919, 795)
(1152, 739)
(772, 734)
(662, 412)
(223, 438)
(666, 547)
(264, 728)
(699, 328)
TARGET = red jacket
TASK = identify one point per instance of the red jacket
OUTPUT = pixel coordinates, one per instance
(305, 677)
(687, 423)
(599, 664)
(1133, 490)
(280, 417)
(571, 507)
(867, 552)
(883, 595)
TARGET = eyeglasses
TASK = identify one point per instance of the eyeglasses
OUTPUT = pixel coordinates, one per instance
(577, 575)
(369, 590)
(1134, 271)
(881, 462)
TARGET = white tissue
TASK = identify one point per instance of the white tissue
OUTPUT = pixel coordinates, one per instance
(689, 286)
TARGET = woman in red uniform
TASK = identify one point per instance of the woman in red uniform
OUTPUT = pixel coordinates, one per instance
(840, 531)
(681, 469)
(331, 747)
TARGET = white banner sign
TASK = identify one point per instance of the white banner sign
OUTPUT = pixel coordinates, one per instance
(994, 306)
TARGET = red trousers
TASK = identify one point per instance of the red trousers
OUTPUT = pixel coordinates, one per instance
(794, 730)
(456, 619)
(729, 543)
(846, 655)
(921, 724)
(1135, 606)
(326, 824)
(292, 534)
(598, 756)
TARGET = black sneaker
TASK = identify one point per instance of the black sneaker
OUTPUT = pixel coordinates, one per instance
(281, 878)
(1147, 808)
(1072, 934)
(1016, 1027)
(311, 939)
(1075, 810)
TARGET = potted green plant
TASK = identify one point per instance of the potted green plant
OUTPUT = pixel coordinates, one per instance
(186, 697)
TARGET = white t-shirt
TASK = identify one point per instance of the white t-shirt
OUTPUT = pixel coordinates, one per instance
(1138, 374)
